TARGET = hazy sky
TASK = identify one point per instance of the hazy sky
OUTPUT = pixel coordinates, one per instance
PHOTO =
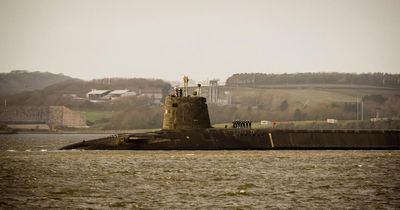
(203, 39)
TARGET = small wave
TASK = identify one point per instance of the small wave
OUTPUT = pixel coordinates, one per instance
(28, 150)
(11, 150)
(43, 150)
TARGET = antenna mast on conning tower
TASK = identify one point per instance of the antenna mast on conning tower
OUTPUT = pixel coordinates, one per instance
(186, 84)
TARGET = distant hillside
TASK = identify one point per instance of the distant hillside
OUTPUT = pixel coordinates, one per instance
(60, 93)
(123, 113)
(80, 87)
(320, 79)
(17, 81)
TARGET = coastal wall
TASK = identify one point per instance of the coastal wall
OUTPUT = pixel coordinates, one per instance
(54, 116)
(24, 114)
(62, 116)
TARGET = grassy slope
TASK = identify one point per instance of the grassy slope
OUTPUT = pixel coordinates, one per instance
(343, 95)
(93, 116)
(315, 103)
(317, 96)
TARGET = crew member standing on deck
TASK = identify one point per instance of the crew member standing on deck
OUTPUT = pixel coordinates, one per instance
(180, 92)
(176, 91)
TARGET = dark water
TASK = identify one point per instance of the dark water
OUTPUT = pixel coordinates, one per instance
(33, 174)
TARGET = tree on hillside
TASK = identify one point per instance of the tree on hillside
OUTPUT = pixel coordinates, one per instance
(375, 98)
(284, 105)
(298, 115)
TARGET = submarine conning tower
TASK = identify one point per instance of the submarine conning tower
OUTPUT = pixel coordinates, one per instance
(185, 112)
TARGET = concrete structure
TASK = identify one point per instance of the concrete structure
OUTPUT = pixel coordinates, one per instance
(154, 94)
(213, 91)
(103, 95)
(265, 122)
(54, 116)
(228, 95)
(377, 119)
(331, 121)
(119, 93)
(97, 94)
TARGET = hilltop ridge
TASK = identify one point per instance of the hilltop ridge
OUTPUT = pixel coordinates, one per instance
(21, 80)
(316, 79)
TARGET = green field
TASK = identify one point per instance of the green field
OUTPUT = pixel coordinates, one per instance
(93, 116)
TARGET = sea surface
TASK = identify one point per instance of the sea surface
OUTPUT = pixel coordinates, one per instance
(35, 175)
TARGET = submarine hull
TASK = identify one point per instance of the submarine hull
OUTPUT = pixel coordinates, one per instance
(261, 139)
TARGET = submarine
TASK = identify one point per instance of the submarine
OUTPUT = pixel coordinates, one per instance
(186, 126)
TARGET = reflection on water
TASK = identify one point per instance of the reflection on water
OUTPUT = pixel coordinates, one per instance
(33, 174)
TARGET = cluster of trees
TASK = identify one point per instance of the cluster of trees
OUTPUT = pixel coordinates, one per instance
(260, 79)
(135, 118)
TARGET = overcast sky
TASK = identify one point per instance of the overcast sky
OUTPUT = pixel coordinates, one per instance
(203, 39)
